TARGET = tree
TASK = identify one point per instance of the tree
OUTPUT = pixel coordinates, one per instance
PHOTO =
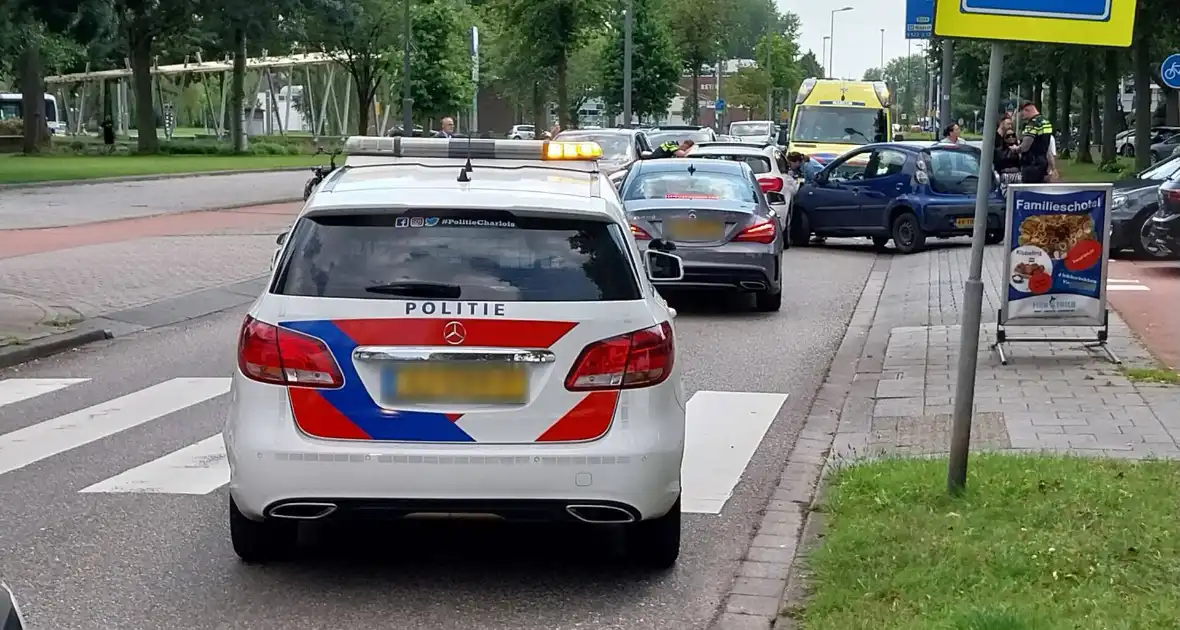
(904, 76)
(748, 88)
(874, 74)
(549, 32)
(779, 53)
(655, 65)
(751, 19)
(585, 74)
(809, 66)
(510, 69)
(363, 37)
(440, 66)
(698, 29)
(143, 22)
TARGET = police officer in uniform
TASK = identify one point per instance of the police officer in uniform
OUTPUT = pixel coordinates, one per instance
(1034, 146)
(671, 149)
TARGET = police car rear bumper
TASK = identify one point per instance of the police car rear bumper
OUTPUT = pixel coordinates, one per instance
(635, 468)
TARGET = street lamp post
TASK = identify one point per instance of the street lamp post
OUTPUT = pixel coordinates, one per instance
(832, 45)
(627, 52)
(824, 57)
(882, 53)
(407, 100)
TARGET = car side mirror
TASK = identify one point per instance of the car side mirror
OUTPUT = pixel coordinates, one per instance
(643, 155)
(776, 197)
(821, 177)
(10, 614)
(897, 137)
(282, 238)
(663, 266)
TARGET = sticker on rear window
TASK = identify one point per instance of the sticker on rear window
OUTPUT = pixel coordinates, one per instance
(690, 196)
(417, 222)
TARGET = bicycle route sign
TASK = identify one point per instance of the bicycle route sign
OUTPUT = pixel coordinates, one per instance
(1170, 71)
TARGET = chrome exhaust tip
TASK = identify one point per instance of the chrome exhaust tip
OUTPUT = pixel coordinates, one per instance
(302, 511)
(753, 286)
(599, 514)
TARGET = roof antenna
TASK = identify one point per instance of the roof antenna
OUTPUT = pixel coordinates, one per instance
(463, 173)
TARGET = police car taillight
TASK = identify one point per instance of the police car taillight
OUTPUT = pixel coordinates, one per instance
(640, 359)
(269, 354)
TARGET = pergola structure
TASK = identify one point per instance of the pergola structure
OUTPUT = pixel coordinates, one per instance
(79, 86)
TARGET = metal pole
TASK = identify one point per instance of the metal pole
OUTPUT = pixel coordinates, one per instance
(956, 476)
(475, 81)
(882, 54)
(824, 60)
(407, 100)
(948, 62)
(627, 52)
(769, 82)
(832, 46)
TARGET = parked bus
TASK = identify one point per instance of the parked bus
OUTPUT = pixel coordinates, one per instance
(12, 107)
(833, 116)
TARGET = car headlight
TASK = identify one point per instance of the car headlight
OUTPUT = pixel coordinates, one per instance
(1118, 201)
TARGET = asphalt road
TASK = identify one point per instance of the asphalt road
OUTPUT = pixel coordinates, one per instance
(55, 206)
(145, 561)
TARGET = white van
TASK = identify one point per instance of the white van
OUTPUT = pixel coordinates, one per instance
(10, 107)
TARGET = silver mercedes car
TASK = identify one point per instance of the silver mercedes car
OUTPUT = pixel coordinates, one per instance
(714, 215)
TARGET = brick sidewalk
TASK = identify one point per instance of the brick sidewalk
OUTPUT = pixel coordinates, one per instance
(1051, 396)
(63, 276)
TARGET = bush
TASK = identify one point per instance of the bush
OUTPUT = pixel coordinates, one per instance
(12, 127)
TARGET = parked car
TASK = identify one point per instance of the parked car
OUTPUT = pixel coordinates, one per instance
(1164, 148)
(899, 191)
(759, 131)
(1124, 141)
(1164, 229)
(680, 133)
(714, 216)
(522, 132)
(770, 168)
(1135, 200)
(620, 147)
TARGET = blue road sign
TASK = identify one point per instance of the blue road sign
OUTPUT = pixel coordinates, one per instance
(719, 104)
(1062, 9)
(919, 19)
(1170, 71)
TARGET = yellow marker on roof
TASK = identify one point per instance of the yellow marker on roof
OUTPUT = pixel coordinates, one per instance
(573, 151)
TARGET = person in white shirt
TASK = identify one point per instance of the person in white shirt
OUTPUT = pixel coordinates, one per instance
(951, 134)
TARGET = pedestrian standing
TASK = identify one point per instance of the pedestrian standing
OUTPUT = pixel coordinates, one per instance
(448, 128)
(1035, 146)
(950, 135)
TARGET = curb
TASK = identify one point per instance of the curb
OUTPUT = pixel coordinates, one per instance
(146, 178)
(167, 312)
(49, 346)
(769, 584)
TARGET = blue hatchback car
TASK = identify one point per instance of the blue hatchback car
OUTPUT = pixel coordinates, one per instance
(899, 191)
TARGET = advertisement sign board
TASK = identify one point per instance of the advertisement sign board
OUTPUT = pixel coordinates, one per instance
(1057, 251)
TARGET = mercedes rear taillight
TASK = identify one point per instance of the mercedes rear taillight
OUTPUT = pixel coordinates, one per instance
(639, 233)
(761, 232)
(269, 354)
(771, 184)
(640, 359)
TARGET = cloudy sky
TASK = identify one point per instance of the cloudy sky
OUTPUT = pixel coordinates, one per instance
(858, 32)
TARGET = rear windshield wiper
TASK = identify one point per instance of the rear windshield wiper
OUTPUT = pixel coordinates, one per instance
(439, 290)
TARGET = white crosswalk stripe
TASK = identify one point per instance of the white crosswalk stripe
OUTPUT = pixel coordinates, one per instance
(35, 443)
(1119, 284)
(724, 429)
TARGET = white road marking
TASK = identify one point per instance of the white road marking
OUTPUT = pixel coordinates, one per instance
(35, 443)
(14, 390)
(198, 468)
(723, 429)
(1119, 284)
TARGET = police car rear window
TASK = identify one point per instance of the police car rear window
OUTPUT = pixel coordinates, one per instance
(457, 256)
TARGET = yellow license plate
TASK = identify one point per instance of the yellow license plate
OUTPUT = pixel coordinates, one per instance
(965, 223)
(696, 229)
(457, 383)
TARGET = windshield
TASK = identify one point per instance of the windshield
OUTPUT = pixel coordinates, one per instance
(1163, 170)
(758, 163)
(838, 125)
(698, 185)
(615, 147)
(953, 172)
(660, 137)
(479, 255)
(749, 129)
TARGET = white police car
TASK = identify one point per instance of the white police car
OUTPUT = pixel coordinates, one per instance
(451, 335)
